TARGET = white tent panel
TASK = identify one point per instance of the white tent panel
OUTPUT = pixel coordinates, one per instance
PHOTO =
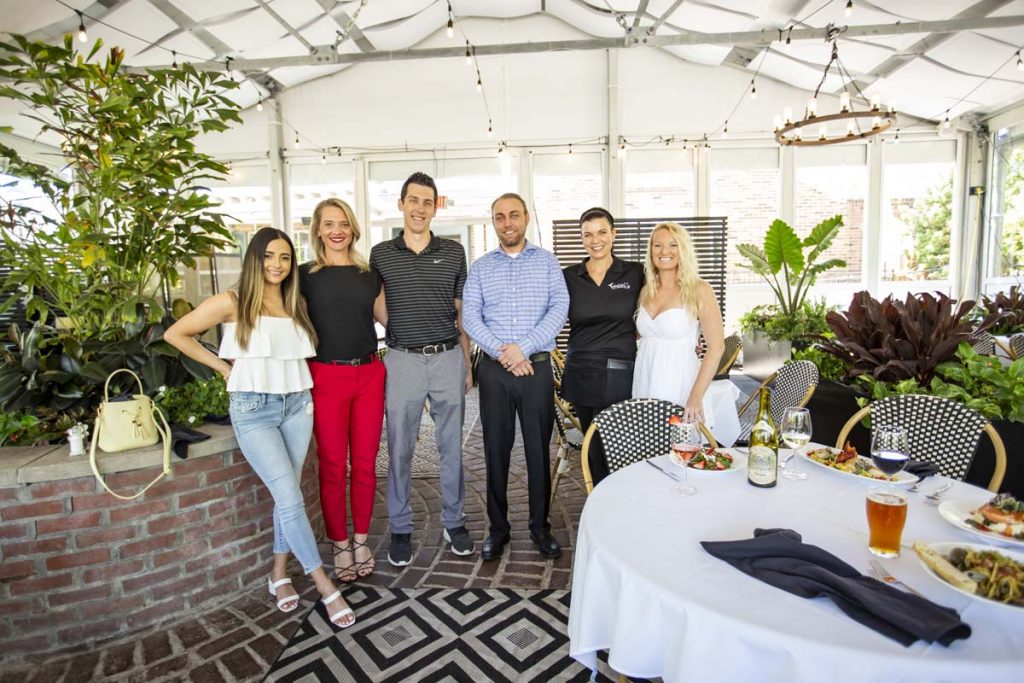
(706, 19)
(587, 20)
(249, 31)
(298, 13)
(209, 12)
(290, 76)
(916, 10)
(978, 55)
(401, 35)
(708, 55)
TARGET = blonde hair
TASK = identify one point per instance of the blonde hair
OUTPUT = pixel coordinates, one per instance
(251, 286)
(686, 274)
(319, 252)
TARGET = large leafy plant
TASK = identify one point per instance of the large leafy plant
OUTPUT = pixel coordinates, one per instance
(784, 265)
(1009, 306)
(126, 208)
(808, 320)
(893, 340)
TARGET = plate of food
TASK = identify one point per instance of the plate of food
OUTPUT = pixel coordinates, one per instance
(852, 464)
(986, 573)
(712, 460)
(1000, 520)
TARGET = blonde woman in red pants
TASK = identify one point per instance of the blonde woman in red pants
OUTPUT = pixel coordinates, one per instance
(344, 297)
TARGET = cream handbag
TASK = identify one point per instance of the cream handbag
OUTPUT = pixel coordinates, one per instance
(126, 424)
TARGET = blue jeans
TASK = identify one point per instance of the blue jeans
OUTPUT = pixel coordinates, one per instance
(273, 431)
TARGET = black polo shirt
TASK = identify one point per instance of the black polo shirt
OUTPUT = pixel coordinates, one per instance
(602, 318)
(420, 289)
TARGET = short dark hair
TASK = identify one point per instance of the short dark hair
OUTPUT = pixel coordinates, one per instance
(597, 212)
(510, 195)
(418, 178)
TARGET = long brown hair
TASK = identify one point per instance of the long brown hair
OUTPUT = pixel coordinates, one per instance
(319, 252)
(251, 285)
(686, 273)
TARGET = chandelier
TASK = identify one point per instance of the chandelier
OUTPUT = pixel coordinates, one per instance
(846, 125)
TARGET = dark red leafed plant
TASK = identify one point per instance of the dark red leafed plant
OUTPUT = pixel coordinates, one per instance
(894, 340)
(1010, 305)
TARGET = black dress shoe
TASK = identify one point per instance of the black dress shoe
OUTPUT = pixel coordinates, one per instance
(493, 545)
(547, 545)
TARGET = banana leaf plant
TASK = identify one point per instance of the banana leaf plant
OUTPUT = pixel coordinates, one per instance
(784, 265)
(893, 340)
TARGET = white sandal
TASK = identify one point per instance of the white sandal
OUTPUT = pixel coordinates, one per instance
(272, 586)
(340, 615)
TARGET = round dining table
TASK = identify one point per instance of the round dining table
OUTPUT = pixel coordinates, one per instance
(645, 590)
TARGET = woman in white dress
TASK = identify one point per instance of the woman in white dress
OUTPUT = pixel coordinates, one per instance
(675, 307)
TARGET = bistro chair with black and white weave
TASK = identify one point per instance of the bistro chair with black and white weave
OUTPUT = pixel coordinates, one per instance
(733, 345)
(939, 430)
(983, 343)
(631, 431)
(791, 386)
(1017, 346)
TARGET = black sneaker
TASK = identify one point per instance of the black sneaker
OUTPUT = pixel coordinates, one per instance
(462, 544)
(400, 552)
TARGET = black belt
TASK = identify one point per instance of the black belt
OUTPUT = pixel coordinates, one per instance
(539, 357)
(428, 349)
(353, 361)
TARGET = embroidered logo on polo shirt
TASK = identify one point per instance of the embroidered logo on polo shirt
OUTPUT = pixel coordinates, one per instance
(619, 285)
(437, 260)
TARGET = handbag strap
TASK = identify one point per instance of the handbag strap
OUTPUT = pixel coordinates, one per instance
(165, 435)
(106, 385)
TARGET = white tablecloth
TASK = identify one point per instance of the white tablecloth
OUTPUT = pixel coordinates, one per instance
(645, 590)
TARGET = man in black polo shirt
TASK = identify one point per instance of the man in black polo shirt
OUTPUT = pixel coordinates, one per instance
(427, 360)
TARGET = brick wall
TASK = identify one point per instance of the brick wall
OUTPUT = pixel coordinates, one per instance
(78, 566)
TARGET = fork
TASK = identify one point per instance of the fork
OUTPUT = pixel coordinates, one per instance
(880, 573)
(936, 495)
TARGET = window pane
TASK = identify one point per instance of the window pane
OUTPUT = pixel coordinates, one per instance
(917, 209)
(744, 186)
(308, 185)
(830, 181)
(564, 186)
(1008, 217)
(659, 184)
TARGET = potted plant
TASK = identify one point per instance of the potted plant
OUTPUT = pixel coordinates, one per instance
(122, 213)
(1010, 307)
(790, 266)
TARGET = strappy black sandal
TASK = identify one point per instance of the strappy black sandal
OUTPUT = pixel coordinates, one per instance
(361, 567)
(344, 574)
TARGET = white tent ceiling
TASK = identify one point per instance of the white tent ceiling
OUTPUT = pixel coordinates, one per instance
(971, 71)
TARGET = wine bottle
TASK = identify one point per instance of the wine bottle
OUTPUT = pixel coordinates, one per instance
(763, 458)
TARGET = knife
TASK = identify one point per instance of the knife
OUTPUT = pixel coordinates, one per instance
(662, 470)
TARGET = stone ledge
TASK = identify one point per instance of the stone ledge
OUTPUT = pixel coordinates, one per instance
(52, 463)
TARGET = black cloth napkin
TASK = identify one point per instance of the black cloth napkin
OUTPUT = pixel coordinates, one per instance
(182, 436)
(780, 558)
(922, 469)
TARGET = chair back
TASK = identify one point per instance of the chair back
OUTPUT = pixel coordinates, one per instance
(557, 368)
(635, 429)
(794, 385)
(939, 430)
(1017, 345)
(729, 356)
(983, 343)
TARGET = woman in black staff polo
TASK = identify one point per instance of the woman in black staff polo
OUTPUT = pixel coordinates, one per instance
(603, 294)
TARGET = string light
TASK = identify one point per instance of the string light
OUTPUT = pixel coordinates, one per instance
(725, 130)
(789, 39)
(570, 149)
(450, 30)
(896, 140)
(849, 8)
(1020, 62)
(753, 90)
(83, 37)
(323, 158)
(479, 83)
(946, 122)
(174, 59)
(259, 105)
(469, 55)
(490, 128)
(298, 143)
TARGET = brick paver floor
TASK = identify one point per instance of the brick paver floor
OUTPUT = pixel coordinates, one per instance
(239, 641)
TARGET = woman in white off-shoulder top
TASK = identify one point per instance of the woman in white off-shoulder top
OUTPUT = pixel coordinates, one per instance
(268, 336)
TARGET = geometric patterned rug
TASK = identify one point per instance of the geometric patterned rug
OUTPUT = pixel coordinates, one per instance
(436, 634)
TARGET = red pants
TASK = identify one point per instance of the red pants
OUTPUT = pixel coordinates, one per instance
(348, 410)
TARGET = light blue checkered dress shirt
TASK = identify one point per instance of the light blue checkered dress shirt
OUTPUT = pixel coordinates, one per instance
(521, 300)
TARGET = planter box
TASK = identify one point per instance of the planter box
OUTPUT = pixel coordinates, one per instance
(762, 357)
(833, 404)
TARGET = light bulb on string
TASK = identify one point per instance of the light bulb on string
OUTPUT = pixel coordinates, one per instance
(725, 130)
(469, 55)
(297, 142)
(450, 31)
(849, 8)
(259, 105)
(490, 129)
(1020, 62)
(174, 59)
(896, 140)
(83, 37)
(323, 159)
(570, 150)
(946, 123)
(479, 84)
(753, 90)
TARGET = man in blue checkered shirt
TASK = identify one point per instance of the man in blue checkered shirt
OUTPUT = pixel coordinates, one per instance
(514, 303)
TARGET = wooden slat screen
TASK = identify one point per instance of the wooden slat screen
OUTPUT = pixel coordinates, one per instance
(631, 234)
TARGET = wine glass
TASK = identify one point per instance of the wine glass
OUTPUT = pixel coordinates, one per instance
(685, 442)
(889, 449)
(796, 433)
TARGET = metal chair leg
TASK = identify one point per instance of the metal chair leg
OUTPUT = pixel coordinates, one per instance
(561, 466)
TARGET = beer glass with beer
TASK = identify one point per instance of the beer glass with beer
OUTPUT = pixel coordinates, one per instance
(887, 507)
